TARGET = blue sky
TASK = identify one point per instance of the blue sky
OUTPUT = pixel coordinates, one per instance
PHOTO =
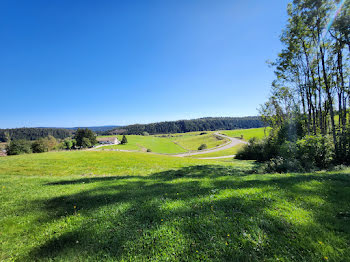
(86, 63)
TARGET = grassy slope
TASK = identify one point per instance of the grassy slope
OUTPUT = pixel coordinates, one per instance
(133, 206)
(191, 141)
(156, 144)
(175, 143)
(247, 133)
(225, 152)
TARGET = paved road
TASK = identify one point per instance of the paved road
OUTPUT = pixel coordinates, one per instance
(233, 142)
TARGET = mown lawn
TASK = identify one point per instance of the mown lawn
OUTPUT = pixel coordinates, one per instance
(113, 206)
(247, 133)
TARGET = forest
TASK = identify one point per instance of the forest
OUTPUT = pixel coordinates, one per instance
(32, 133)
(182, 126)
(308, 106)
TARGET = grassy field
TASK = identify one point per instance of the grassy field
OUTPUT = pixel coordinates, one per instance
(142, 143)
(115, 206)
(247, 133)
(191, 141)
(225, 152)
(171, 144)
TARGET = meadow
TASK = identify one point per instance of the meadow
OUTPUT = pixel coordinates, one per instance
(247, 133)
(168, 144)
(142, 143)
(118, 206)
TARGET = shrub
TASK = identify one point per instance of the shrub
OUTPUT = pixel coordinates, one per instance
(51, 142)
(202, 147)
(282, 165)
(145, 133)
(203, 133)
(260, 150)
(68, 144)
(315, 151)
(124, 140)
(40, 146)
(149, 150)
(17, 147)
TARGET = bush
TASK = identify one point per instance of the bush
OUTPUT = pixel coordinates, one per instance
(40, 146)
(17, 147)
(124, 140)
(282, 165)
(315, 151)
(145, 133)
(260, 150)
(149, 150)
(202, 147)
(68, 144)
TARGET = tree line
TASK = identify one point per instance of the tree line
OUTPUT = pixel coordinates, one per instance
(32, 133)
(182, 126)
(308, 106)
(83, 138)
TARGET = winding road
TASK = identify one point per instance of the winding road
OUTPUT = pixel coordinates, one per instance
(233, 142)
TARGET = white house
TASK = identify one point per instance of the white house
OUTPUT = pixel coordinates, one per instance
(108, 140)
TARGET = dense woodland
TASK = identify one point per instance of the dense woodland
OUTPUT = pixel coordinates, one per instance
(308, 107)
(32, 133)
(182, 126)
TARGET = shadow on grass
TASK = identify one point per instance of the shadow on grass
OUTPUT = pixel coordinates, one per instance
(201, 213)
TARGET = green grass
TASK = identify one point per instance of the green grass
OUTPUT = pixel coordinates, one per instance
(114, 206)
(142, 143)
(171, 144)
(225, 152)
(247, 133)
(191, 141)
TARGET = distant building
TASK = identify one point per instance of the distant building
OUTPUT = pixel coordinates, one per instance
(108, 140)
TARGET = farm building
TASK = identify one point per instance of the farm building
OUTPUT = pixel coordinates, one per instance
(108, 140)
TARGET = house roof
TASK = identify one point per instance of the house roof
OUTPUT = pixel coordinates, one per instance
(106, 139)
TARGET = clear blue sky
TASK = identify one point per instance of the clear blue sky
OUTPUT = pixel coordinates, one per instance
(85, 63)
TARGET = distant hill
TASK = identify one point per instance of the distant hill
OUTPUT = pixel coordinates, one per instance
(95, 128)
(182, 126)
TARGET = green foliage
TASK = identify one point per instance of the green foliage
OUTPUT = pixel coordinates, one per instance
(315, 151)
(44, 144)
(85, 143)
(90, 138)
(40, 146)
(149, 150)
(32, 133)
(202, 147)
(259, 149)
(17, 147)
(145, 133)
(68, 144)
(124, 140)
